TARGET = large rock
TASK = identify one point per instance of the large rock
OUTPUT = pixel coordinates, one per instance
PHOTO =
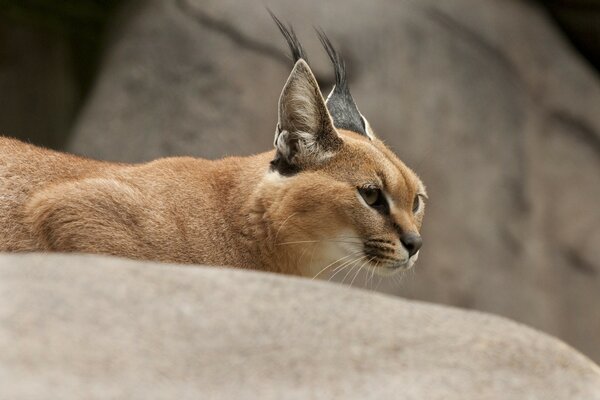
(84, 327)
(484, 99)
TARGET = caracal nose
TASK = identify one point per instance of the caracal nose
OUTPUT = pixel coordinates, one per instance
(412, 242)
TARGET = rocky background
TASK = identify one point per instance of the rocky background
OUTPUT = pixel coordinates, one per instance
(492, 102)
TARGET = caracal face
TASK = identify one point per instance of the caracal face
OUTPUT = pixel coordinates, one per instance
(362, 209)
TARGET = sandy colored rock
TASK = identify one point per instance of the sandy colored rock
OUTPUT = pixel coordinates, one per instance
(74, 327)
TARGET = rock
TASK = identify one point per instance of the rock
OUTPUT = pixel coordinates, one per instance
(74, 327)
(39, 92)
(485, 100)
(198, 88)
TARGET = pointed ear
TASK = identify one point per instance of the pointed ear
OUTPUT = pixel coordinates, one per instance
(305, 133)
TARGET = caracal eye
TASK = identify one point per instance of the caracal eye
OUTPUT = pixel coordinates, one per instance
(371, 196)
(416, 203)
(374, 198)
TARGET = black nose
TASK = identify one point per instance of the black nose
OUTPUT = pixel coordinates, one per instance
(411, 242)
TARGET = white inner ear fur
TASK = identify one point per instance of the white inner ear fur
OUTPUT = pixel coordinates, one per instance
(298, 104)
(301, 107)
(307, 148)
(368, 129)
(300, 117)
(329, 95)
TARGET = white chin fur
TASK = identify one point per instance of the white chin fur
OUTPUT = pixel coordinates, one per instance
(339, 256)
(333, 255)
(391, 271)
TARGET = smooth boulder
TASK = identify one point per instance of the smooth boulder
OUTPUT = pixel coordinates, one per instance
(74, 327)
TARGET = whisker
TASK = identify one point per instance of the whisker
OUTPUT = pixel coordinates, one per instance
(302, 254)
(316, 241)
(368, 275)
(312, 255)
(343, 267)
(395, 280)
(379, 246)
(352, 269)
(381, 258)
(373, 272)
(335, 262)
(380, 241)
(378, 282)
(358, 272)
(400, 278)
(349, 271)
(281, 226)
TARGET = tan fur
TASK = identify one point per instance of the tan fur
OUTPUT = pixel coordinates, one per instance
(233, 211)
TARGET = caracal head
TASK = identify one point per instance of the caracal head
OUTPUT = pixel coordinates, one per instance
(342, 199)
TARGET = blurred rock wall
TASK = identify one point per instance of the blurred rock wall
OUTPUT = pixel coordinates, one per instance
(38, 92)
(49, 55)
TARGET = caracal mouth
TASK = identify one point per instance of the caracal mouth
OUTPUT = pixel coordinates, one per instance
(387, 270)
(391, 270)
(344, 259)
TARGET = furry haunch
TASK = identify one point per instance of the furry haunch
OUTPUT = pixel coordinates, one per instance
(329, 197)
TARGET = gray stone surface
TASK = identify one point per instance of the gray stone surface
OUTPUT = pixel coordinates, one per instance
(484, 99)
(85, 327)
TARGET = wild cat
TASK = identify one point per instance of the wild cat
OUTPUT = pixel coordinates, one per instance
(330, 196)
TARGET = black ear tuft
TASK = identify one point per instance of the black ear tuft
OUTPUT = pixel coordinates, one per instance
(290, 37)
(339, 66)
(340, 103)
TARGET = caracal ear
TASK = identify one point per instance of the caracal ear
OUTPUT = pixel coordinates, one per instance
(305, 134)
